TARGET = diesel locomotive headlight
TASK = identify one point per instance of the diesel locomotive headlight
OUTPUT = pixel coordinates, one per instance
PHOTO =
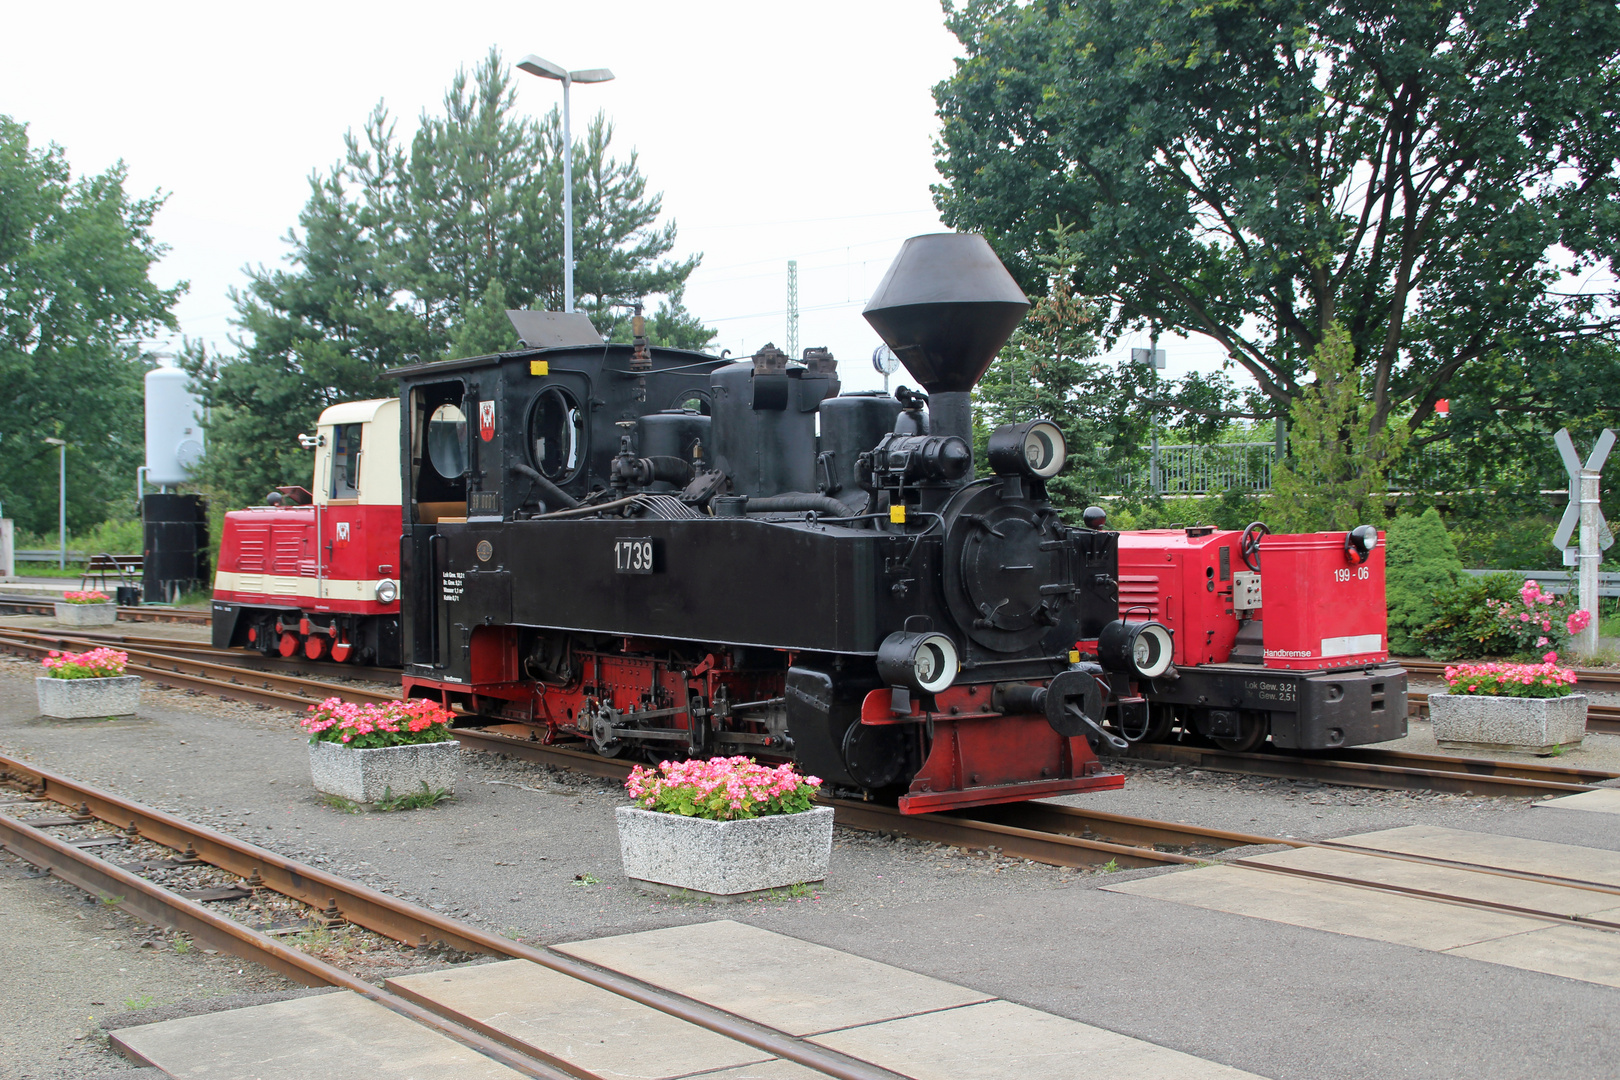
(387, 592)
(1033, 449)
(1359, 543)
(1141, 647)
(925, 662)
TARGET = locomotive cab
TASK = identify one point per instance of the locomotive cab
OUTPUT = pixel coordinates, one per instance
(315, 571)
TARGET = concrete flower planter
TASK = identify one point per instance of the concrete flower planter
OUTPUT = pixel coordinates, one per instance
(87, 614)
(366, 776)
(77, 699)
(724, 860)
(1533, 725)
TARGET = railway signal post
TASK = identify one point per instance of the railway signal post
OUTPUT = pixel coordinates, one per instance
(1585, 510)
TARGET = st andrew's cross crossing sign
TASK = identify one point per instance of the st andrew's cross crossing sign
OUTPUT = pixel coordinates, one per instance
(1572, 465)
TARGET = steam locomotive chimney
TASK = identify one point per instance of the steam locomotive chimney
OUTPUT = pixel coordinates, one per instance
(946, 307)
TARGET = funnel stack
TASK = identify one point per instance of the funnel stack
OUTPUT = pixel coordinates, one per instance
(946, 307)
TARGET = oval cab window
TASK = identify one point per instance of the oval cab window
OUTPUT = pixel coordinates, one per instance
(447, 442)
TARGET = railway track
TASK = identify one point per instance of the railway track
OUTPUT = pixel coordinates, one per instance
(232, 675)
(179, 667)
(46, 606)
(331, 900)
(243, 658)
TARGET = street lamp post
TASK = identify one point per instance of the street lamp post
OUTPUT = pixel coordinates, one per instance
(61, 504)
(536, 65)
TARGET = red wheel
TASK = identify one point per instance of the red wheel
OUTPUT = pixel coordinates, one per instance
(289, 644)
(253, 633)
(341, 651)
(315, 646)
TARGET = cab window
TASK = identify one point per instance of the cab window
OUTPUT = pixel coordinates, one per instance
(346, 461)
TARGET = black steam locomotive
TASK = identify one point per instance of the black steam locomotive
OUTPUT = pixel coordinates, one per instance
(663, 554)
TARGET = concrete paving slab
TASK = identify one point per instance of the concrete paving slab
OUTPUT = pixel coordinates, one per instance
(329, 1037)
(1338, 909)
(1466, 884)
(1489, 849)
(769, 978)
(584, 1025)
(1575, 952)
(998, 1040)
(1602, 801)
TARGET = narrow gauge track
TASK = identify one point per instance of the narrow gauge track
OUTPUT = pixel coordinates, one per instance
(203, 650)
(175, 667)
(337, 900)
(185, 666)
(1392, 769)
(46, 606)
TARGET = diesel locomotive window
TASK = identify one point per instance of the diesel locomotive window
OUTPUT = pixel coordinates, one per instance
(346, 461)
(557, 434)
(447, 442)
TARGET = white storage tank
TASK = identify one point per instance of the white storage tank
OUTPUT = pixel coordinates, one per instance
(174, 434)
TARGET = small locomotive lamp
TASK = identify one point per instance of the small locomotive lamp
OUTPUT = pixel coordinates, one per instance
(1035, 449)
(1142, 647)
(1359, 543)
(926, 662)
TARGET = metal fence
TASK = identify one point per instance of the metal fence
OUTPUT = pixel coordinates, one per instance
(1559, 582)
(1200, 470)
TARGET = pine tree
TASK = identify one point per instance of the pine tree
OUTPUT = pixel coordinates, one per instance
(406, 253)
(1334, 475)
(1420, 562)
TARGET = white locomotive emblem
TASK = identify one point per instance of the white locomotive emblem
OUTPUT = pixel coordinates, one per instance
(486, 420)
(343, 533)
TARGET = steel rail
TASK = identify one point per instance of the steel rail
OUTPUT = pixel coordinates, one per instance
(158, 906)
(402, 921)
(222, 680)
(1437, 773)
(243, 658)
(44, 605)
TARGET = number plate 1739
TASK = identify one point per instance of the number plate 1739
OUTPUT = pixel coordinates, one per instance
(633, 556)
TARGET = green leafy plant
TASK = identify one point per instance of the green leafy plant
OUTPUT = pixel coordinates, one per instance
(722, 789)
(585, 880)
(1111, 866)
(142, 1001)
(416, 800)
(1420, 562)
(339, 803)
(1465, 626)
(182, 945)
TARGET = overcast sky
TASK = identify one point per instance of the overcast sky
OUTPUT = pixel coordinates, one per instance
(775, 132)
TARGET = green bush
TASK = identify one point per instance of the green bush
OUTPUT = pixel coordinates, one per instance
(1464, 626)
(1420, 563)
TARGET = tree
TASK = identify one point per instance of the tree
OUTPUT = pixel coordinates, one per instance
(1431, 176)
(1046, 371)
(1420, 563)
(1333, 477)
(416, 252)
(76, 299)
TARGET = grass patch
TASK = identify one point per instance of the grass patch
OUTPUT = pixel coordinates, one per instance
(182, 945)
(339, 803)
(416, 800)
(143, 1001)
(1111, 866)
(585, 880)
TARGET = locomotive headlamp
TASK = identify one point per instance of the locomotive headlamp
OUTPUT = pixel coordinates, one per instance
(1359, 543)
(1144, 648)
(387, 591)
(1033, 449)
(925, 662)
